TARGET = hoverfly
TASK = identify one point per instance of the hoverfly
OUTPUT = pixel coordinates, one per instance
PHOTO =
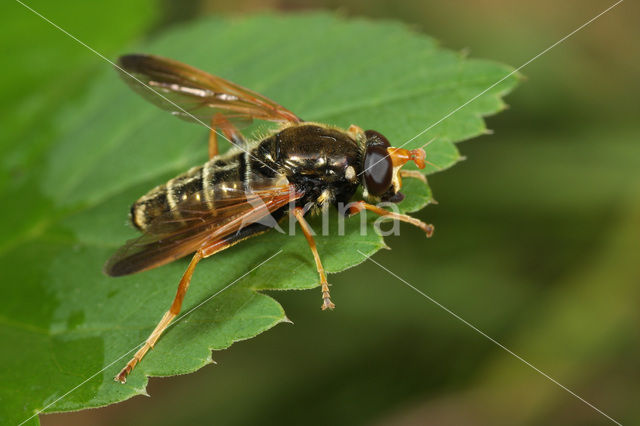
(214, 206)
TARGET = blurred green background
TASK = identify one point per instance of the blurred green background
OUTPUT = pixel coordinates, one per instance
(537, 241)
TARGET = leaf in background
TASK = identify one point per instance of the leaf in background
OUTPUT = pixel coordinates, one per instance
(46, 71)
(66, 321)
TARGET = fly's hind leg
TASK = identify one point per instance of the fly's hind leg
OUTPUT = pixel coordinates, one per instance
(298, 212)
(208, 249)
(173, 311)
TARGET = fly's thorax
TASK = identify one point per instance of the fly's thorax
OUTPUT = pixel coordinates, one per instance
(321, 160)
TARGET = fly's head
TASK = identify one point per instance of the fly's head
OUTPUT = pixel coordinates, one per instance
(380, 174)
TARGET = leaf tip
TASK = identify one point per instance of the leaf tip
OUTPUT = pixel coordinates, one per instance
(520, 76)
(209, 359)
(286, 320)
(142, 391)
(465, 52)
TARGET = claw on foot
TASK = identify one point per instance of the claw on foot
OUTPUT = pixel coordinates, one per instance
(326, 298)
(429, 230)
(122, 375)
(327, 304)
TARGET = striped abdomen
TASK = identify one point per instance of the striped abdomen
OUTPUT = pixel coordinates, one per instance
(203, 181)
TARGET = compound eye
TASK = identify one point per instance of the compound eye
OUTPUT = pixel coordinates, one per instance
(376, 138)
(378, 169)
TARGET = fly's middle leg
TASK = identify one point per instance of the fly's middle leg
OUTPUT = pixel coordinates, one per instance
(298, 212)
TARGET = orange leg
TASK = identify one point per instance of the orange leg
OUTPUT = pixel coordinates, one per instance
(216, 120)
(173, 311)
(413, 174)
(355, 131)
(213, 142)
(232, 134)
(298, 212)
(229, 131)
(361, 205)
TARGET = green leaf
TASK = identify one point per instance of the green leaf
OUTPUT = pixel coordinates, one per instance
(64, 321)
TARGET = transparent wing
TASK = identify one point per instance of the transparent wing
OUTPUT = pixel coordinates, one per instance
(195, 95)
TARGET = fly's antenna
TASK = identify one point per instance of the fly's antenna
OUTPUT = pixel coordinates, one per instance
(434, 165)
(427, 144)
(427, 161)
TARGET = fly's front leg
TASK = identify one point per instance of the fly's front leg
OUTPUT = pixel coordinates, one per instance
(415, 174)
(359, 206)
(298, 212)
(356, 132)
(173, 311)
